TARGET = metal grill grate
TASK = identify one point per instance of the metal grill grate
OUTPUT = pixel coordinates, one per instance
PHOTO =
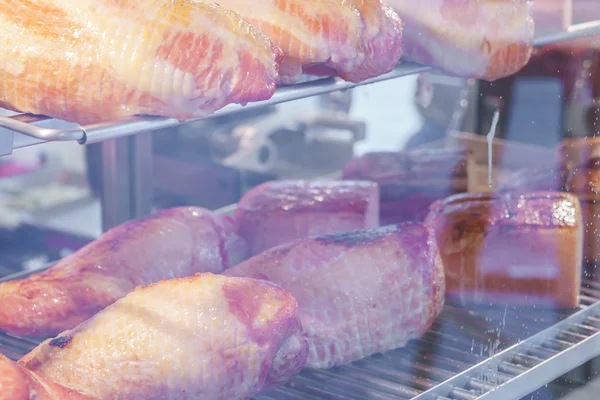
(466, 355)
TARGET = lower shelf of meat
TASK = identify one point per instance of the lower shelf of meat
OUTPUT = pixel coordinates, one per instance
(457, 341)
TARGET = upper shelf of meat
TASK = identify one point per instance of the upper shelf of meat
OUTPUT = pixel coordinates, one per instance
(123, 72)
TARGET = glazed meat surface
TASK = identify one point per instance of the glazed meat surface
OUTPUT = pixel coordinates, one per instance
(485, 39)
(355, 39)
(201, 337)
(280, 211)
(171, 243)
(359, 292)
(89, 61)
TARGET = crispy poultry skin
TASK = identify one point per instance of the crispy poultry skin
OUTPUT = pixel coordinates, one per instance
(201, 337)
(89, 61)
(171, 243)
(355, 39)
(359, 292)
(18, 383)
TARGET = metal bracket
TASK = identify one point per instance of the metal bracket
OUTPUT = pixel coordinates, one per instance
(21, 132)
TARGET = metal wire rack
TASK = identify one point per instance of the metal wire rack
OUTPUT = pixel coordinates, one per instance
(25, 132)
(467, 355)
(486, 354)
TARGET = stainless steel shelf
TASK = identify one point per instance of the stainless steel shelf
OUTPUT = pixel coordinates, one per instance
(25, 132)
(535, 361)
(578, 31)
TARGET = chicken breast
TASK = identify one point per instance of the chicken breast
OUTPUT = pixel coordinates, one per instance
(484, 39)
(359, 292)
(355, 39)
(201, 337)
(171, 243)
(97, 60)
(17, 383)
(280, 211)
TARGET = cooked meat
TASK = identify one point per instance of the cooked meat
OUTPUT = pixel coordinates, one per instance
(17, 383)
(172, 243)
(485, 39)
(280, 211)
(359, 292)
(97, 60)
(201, 337)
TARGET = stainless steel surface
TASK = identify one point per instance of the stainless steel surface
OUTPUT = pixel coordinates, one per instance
(6, 141)
(42, 134)
(110, 130)
(585, 29)
(141, 175)
(126, 179)
(485, 354)
(534, 362)
(472, 111)
(115, 194)
(63, 130)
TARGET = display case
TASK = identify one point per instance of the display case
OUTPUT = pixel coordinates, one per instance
(469, 352)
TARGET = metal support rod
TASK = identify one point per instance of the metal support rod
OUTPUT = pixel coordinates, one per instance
(115, 182)
(126, 179)
(142, 174)
(6, 141)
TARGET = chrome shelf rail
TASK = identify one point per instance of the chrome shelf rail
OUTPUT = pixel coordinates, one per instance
(537, 361)
(577, 31)
(23, 124)
(26, 133)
